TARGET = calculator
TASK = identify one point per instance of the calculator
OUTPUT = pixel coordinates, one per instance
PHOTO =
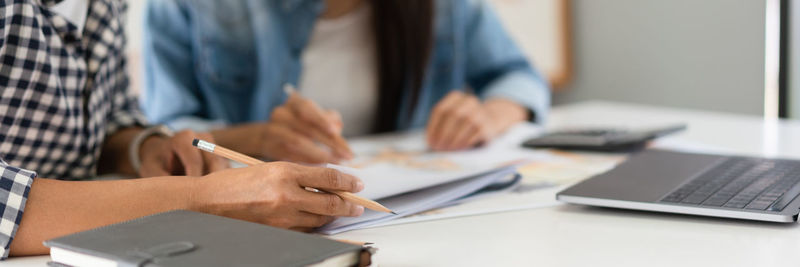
(606, 140)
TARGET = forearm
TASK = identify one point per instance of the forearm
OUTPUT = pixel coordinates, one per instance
(526, 90)
(114, 155)
(55, 208)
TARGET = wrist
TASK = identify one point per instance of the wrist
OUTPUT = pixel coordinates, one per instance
(137, 146)
(504, 113)
(150, 145)
(196, 197)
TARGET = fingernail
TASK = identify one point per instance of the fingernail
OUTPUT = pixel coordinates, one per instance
(357, 210)
(359, 186)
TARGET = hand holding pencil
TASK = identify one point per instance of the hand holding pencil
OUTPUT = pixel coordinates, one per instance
(302, 126)
(343, 194)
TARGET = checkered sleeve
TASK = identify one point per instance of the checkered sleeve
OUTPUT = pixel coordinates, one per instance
(126, 111)
(15, 183)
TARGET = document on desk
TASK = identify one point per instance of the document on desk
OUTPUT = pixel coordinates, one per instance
(539, 182)
(418, 201)
(401, 174)
(398, 163)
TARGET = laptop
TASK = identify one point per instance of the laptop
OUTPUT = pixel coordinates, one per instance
(738, 187)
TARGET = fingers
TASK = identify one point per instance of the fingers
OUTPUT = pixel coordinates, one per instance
(192, 161)
(296, 148)
(191, 158)
(328, 129)
(454, 121)
(464, 118)
(476, 138)
(302, 117)
(306, 222)
(334, 143)
(336, 118)
(328, 204)
(437, 119)
(446, 130)
(328, 179)
(310, 112)
(283, 116)
(212, 162)
(155, 158)
(305, 151)
(461, 136)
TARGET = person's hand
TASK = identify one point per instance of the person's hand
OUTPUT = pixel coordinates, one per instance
(163, 156)
(297, 128)
(273, 194)
(461, 121)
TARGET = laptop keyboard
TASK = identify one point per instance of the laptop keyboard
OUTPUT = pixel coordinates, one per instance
(742, 183)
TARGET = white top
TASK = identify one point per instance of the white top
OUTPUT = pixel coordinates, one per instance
(74, 11)
(339, 69)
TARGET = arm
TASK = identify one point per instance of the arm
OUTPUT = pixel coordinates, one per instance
(270, 194)
(507, 89)
(496, 68)
(56, 208)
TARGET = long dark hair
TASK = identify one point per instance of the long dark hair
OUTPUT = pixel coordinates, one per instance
(404, 38)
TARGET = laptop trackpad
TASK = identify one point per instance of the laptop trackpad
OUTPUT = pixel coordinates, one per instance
(645, 177)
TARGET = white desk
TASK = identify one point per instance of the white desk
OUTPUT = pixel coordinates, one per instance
(580, 236)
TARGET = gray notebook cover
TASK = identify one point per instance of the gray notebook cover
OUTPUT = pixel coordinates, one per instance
(186, 238)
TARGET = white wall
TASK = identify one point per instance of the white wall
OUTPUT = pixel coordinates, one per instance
(705, 54)
(133, 30)
(794, 60)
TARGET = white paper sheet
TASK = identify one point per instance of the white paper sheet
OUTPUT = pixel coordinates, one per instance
(417, 201)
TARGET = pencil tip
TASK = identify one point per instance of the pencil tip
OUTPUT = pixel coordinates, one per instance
(395, 213)
(369, 244)
(195, 141)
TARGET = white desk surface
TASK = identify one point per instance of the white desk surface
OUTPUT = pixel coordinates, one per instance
(567, 235)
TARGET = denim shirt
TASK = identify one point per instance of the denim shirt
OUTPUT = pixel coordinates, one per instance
(210, 61)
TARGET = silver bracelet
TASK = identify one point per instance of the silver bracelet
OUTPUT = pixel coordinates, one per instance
(133, 149)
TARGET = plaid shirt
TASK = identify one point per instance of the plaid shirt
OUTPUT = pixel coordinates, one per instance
(63, 92)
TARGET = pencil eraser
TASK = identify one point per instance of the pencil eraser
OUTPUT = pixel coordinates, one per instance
(195, 141)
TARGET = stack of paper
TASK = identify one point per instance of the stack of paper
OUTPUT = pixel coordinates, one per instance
(402, 175)
(419, 200)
